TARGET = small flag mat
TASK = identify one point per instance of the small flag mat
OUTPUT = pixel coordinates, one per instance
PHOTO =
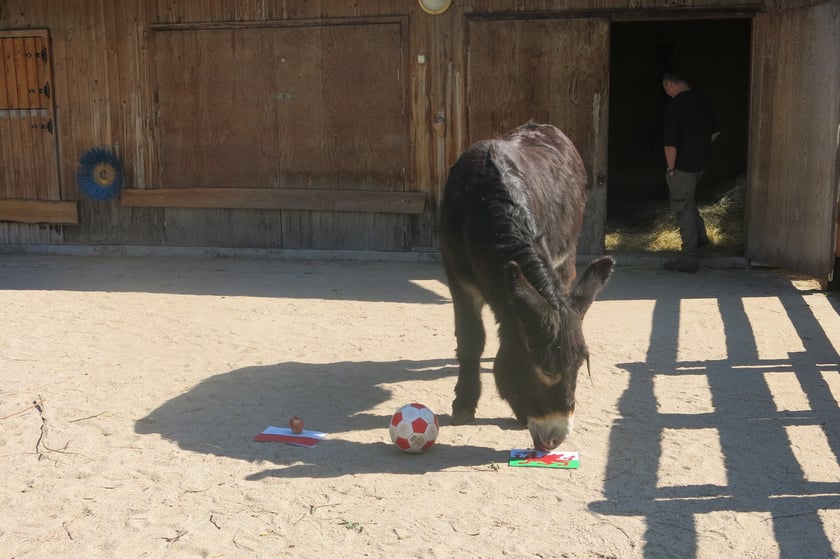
(285, 435)
(540, 459)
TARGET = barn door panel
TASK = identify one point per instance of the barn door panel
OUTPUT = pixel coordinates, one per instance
(216, 116)
(28, 155)
(548, 70)
(344, 126)
(314, 107)
(795, 117)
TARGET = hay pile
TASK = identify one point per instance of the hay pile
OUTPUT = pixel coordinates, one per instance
(650, 226)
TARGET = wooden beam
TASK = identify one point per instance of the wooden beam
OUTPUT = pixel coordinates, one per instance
(39, 211)
(276, 199)
(277, 23)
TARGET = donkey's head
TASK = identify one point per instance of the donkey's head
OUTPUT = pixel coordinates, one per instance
(537, 364)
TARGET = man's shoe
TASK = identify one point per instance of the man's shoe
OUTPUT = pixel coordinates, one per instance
(687, 265)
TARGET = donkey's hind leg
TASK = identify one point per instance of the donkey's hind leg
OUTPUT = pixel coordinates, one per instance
(469, 333)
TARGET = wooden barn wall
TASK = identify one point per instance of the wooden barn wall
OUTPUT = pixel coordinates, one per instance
(794, 134)
(100, 91)
(105, 86)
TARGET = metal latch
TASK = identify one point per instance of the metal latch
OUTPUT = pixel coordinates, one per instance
(48, 126)
(42, 90)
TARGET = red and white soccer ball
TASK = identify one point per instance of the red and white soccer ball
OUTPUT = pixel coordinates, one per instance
(414, 428)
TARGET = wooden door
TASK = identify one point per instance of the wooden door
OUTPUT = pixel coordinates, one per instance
(28, 155)
(314, 106)
(553, 71)
(795, 140)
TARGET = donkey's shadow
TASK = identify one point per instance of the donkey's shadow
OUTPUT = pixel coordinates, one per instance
(222, 414)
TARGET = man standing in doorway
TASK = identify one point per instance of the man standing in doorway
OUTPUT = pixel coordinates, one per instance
(690, 129)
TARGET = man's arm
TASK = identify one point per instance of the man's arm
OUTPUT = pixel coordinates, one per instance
(670, 158)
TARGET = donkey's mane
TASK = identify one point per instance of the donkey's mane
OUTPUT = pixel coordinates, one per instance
(517, 237)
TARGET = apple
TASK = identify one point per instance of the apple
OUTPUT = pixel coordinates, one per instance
(296, 425)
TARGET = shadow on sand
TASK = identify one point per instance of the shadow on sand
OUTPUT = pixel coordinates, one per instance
(762, 471)
(220, 416)
(300, 279)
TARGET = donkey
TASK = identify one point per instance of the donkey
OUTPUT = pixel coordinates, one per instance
(511, 214)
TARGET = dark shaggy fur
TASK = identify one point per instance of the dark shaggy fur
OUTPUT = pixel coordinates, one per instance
(510, 219)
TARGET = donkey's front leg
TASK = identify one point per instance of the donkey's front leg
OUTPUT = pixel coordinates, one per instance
(469, 333)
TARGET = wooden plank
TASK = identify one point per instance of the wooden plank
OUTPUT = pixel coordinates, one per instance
(29, 234)
(24, 80)
(271, 24)
(36, 81)
(38, 211)
(5, 77)
(276, 199)
(7, 51)
(782, 5)
(221, 227)
(357, 231)
(16, 33)
(42, 155)
(30, 183)
(791, 200)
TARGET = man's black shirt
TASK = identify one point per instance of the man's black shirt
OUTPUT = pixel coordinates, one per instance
(689, 125)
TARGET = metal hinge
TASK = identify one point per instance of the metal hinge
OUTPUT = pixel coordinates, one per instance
(42, 90)
(48, 126)
(42, 54)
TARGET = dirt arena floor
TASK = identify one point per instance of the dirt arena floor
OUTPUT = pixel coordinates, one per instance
(132, 389)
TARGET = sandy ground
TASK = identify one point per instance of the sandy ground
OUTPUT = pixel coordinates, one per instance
(132, 389)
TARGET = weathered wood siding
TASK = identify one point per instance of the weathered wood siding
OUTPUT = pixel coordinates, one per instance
(792, 202)
(309, 104)
(116, 83)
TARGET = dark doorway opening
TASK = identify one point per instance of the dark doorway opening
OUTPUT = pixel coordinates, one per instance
(714, 57)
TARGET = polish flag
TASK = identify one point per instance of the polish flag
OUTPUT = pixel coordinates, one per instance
(285, 435)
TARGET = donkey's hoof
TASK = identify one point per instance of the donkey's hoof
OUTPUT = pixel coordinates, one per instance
(462, 417)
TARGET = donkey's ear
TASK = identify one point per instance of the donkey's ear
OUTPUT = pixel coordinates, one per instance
(533, 311)
(590, 283)
(522, 290)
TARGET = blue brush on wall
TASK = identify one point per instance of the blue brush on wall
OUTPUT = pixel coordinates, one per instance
(99, 175)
